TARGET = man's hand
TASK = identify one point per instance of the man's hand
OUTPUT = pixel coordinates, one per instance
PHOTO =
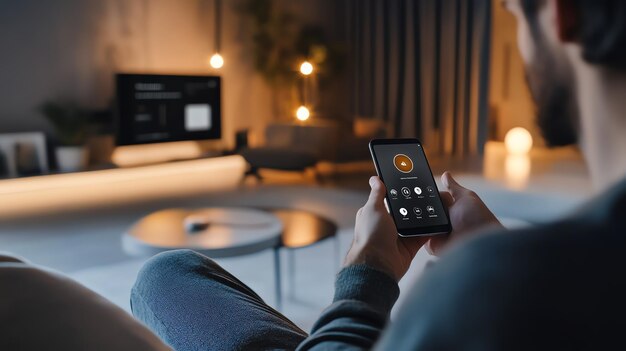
(376, 241)
(467, 212)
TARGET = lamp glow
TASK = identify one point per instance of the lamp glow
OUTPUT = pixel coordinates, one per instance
(517, 170)
(518, 141)
(306, 68)
(303, 113)
(216, 61)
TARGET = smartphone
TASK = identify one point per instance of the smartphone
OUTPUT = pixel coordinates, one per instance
(412, 196)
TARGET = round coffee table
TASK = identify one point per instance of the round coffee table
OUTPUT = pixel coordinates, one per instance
(229, 232)
(302, 229)
(215, 232)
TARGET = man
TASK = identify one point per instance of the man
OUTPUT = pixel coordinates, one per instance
(558, 286)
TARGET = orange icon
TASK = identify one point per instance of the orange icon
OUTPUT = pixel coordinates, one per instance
(403, 163)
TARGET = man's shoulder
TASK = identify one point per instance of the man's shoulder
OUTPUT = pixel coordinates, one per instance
(599, 224)
(548, 254)
(510, 289)
(553, 239)
(507, 246)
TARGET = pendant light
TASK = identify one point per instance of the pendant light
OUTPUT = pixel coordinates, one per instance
(216, 60)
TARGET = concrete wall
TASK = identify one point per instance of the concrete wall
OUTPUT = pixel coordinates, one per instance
(71, 48)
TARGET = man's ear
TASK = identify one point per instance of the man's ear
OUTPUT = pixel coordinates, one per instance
(567, 20)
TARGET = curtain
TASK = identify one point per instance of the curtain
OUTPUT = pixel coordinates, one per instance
(423, 66)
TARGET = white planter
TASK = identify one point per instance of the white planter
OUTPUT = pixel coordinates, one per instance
(71, 158)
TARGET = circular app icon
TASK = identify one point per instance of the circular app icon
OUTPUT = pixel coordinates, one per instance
(418, 190)
(417, 211)
(403, 211)
(430, 189)
(393, 192)
(430, 209)
(403, 163)
(406, 192)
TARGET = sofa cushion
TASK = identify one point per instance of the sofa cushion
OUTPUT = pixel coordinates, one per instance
(43, 310)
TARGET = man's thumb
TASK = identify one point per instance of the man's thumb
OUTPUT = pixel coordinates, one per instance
(452, 186)
(377, 194)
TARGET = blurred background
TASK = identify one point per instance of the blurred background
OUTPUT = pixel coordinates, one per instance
(113, 111)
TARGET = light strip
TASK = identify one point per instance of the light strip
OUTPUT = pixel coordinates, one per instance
(95, 178)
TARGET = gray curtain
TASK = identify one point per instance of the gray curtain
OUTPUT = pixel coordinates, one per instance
(423, 65)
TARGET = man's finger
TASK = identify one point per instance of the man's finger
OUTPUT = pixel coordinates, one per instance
(436, 243)
(452, 186)
(358, 214)
(377, 194)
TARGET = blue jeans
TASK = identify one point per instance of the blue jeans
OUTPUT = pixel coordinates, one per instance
(194, 304)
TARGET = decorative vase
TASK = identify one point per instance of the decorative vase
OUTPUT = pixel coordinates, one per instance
(71, 158)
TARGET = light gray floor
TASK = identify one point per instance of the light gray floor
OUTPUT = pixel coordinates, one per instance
(86, 245)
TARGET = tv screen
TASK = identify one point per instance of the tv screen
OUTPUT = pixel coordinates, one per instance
(162, 108)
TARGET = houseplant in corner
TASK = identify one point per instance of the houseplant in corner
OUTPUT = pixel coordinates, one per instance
(280, 43)
(71, 124)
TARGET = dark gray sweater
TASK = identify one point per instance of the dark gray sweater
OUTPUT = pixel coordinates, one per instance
(556, 287)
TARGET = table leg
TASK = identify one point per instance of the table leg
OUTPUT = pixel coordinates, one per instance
(277, 280)
(292, 272)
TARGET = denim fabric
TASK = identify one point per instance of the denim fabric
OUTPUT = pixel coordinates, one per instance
(194, 304)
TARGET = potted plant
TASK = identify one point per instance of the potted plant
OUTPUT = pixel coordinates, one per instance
(71, 124)
(280, 42)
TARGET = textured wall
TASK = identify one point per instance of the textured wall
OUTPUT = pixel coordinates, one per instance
(70, 48)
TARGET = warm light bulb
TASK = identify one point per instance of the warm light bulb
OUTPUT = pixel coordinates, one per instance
(518, 141)
(303, 113)
(216, 61)
(306, 68)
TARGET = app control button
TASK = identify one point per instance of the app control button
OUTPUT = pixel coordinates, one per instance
(403, 211)
(417, 211)
(430, 209)
(393, 192)
(430, 189)
(403, 163)
(418, 190)
(406, 192)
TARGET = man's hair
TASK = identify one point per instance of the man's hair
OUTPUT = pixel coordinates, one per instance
(602, 29)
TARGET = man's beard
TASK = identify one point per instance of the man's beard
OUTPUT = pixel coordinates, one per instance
(552, 91)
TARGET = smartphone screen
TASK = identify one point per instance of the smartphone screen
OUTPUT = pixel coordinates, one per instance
(412, 195)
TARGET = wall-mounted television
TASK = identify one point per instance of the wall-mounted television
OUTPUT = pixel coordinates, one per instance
(155, 108)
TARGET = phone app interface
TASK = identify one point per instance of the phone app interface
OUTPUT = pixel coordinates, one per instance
(412, 194)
